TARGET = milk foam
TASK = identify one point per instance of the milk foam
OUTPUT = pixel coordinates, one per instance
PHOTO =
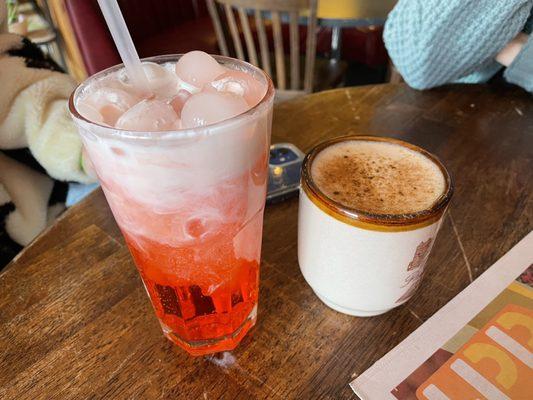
(378, 177)
(157, 184)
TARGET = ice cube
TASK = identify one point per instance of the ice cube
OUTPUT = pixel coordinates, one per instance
(162, 82)
(198, 68)
(111, 103)
(90, 112)
(149, 115)
(118, 81)
(155, 71)
(178, 101)
(208, 108)
(239, 83)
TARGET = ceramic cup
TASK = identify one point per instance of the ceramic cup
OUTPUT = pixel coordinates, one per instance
(360, 263)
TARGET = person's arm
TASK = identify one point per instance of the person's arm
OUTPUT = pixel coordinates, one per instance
(433, 42)
(508, 54)
(519, 56)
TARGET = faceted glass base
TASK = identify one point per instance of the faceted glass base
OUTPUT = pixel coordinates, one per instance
(215, 345)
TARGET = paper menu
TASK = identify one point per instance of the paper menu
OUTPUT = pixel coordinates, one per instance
(479, 345)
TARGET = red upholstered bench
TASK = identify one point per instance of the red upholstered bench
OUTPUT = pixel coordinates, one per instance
(157, 27)
(178, 26)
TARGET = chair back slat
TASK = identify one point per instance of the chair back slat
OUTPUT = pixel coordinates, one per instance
(269, 5)
(221, 39)
(249, 40)
(311, 48)
(254, 12)
(278, 50)
(263, 42)
(234, 31)
(295, 50)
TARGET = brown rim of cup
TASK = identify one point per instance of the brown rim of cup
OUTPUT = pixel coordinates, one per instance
(374, 221)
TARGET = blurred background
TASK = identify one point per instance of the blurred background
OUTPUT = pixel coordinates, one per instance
(347, 34)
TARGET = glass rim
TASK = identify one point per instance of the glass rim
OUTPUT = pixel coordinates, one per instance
(349, 214)
(176, 133)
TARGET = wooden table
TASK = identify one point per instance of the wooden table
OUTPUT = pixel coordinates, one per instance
(75, 322)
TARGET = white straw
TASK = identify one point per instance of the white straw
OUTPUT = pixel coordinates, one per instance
(121, 36)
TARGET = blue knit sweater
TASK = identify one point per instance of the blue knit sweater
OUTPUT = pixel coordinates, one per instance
(433, 42)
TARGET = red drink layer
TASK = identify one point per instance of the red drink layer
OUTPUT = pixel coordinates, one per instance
(193, 310)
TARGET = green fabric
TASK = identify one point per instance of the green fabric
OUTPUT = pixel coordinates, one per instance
(433, 42)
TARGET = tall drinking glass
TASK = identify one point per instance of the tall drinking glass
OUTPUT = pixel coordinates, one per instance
(190, 206)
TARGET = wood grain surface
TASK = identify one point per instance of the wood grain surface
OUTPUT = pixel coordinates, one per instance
(75, 321)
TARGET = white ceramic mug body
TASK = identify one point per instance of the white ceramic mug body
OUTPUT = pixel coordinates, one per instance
(359, 271)
(360, 268)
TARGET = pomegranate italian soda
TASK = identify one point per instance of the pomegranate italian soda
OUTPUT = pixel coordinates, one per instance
(184, 170)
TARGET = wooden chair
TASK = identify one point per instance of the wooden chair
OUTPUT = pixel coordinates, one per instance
(293, 8)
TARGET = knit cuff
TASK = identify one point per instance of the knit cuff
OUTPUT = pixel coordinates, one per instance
(520, 72)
